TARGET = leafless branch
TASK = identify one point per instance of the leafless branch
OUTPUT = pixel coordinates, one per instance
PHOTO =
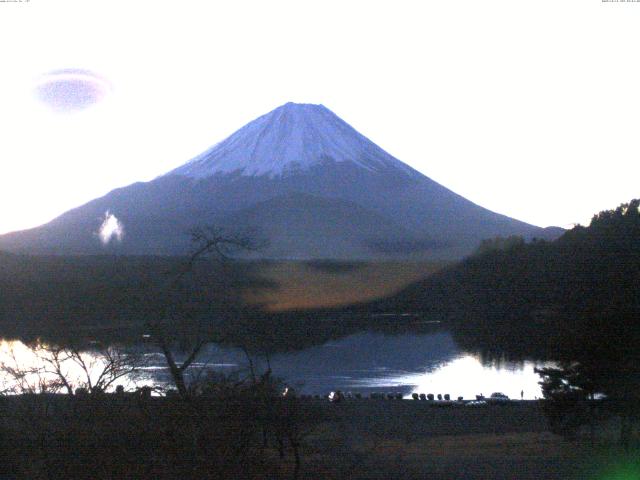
(219, 244)
(70, 368)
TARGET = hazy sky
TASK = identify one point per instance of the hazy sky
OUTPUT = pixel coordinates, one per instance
(529, 108)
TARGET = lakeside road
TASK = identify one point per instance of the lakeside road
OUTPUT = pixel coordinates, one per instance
(380, 439)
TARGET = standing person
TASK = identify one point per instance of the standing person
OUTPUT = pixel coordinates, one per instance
(521, 394)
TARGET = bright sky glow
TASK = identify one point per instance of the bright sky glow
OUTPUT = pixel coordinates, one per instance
(527, 108)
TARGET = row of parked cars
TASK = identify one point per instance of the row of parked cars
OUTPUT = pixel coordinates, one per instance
(496, 398)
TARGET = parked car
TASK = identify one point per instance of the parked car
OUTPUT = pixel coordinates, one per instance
(335, 397)
(476, 403)
(498, 398)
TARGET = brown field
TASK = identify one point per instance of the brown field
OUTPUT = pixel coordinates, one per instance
(381, 439)
(302, 285)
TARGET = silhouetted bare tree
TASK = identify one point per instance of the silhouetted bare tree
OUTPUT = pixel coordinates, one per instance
(58, 367)
(192, 334)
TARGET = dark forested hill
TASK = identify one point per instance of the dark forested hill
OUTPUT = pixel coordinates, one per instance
(44, 294)
(521, 299)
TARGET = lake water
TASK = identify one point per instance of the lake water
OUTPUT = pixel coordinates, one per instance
(375, 362)
(360, 363)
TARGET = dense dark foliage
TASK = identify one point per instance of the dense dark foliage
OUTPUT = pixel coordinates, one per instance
(228, 430)
(114, 294)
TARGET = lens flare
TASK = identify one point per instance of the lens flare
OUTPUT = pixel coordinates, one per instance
(626, 471)
(613, 465)
(71, 90)
(111, 229)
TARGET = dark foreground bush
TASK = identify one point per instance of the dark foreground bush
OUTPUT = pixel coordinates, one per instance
(240, 434)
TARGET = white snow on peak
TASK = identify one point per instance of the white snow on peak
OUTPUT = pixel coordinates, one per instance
(292, 138)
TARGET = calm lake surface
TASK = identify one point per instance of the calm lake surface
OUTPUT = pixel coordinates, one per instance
(363, 363)
(375, 362)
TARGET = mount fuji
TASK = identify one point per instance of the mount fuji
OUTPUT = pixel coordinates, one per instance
(301, 178)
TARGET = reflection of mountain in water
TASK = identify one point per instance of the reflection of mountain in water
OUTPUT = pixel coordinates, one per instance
(344, 364)
(341, 364)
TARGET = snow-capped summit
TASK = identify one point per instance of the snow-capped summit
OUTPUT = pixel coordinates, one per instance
(291, 139)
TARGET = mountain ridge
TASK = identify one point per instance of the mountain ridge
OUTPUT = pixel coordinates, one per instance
(385, 208)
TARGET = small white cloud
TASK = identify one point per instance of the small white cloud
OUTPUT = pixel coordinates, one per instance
(111, 229)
